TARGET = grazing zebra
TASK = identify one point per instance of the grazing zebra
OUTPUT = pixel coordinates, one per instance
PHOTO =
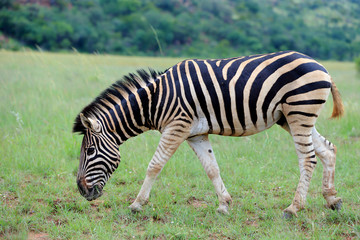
(232, 97)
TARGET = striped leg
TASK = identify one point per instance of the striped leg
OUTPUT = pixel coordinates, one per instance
(300, 125)
(326, 151)
(205, 153)
(307, 162)
(170, 140)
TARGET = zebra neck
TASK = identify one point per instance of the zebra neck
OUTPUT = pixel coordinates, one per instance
(139, 111)
(130, 120)
(164, 103)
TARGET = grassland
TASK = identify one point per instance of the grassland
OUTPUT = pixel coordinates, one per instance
(41, 93)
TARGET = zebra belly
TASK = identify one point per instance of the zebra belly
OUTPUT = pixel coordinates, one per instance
(249, 130)
(201, 126)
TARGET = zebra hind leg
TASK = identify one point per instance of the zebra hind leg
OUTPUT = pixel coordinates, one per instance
(205, 153)
(300, 129)
(326, 151)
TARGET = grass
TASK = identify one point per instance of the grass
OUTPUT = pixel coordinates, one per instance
(41, 93)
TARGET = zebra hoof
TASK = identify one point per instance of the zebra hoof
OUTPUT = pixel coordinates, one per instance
(135, 207)
(289, 213)
(223, 209)
(336, 205)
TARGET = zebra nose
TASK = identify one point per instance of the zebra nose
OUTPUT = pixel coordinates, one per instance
(82, 186)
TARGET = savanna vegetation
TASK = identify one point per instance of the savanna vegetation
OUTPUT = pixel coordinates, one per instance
(41, 93)
(208, 29)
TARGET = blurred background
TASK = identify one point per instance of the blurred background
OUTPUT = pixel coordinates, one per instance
(323, 29)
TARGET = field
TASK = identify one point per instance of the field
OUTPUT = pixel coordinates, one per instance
(41, 93)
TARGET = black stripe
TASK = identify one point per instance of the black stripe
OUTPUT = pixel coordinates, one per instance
(304, 144)
(143, 95)
(171, 95)
(186, 89)
(307, 151)
(161, 107)
(154, 100)
(307, 102)
(307, 125)
(167, 88)
(135, 110)
(113, 117)
(227, 104)
(302, 113)
(302, 135)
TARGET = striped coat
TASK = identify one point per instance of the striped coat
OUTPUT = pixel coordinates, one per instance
(232, 97)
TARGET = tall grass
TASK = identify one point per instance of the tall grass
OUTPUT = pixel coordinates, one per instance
(41, 93)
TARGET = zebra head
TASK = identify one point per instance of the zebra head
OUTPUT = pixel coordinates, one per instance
(99, 158)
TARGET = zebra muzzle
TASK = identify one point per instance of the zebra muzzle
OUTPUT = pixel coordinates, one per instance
(89, 193)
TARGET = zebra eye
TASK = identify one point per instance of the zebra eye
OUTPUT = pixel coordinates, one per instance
(90, 151)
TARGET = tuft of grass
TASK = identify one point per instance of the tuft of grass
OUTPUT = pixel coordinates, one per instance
(42, 93)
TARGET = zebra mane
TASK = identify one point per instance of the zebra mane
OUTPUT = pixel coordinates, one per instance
(124, 86)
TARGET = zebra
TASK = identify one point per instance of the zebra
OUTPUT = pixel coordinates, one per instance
(237, 96)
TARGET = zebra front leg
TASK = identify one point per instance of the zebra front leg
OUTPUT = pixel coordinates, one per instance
(170, 140)
(307, 162)
(205, 153)
(326, 151)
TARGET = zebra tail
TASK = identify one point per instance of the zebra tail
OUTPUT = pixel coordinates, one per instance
(338, 108)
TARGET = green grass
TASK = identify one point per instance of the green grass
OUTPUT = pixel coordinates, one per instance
(41, 93)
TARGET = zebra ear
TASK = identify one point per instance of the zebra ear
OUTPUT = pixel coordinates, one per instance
(90, 123)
